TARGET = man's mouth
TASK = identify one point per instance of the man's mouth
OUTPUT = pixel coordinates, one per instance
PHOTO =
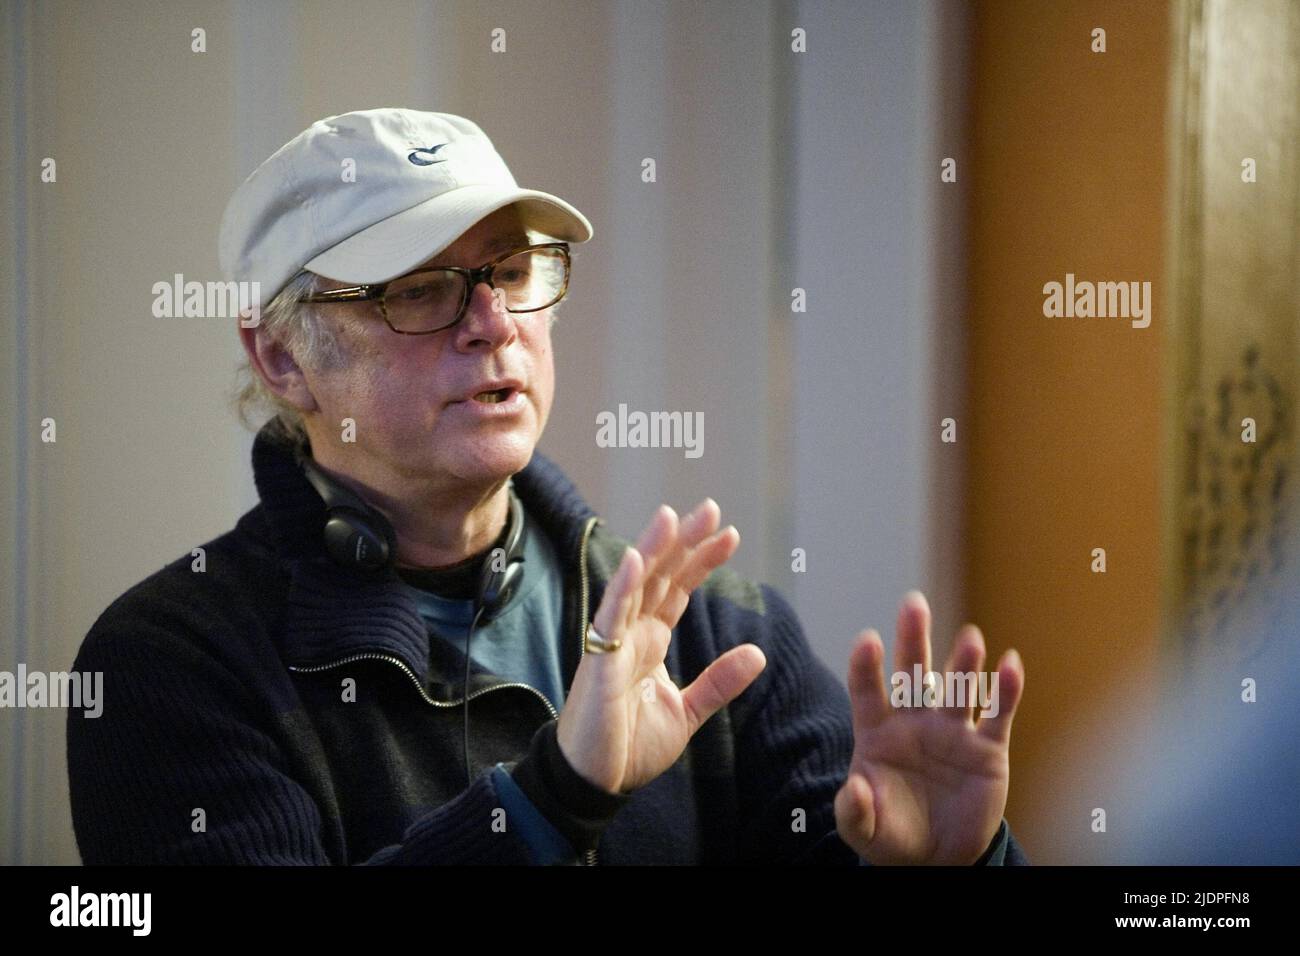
(495, 396)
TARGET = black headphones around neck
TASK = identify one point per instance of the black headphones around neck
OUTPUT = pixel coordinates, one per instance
(359, 536)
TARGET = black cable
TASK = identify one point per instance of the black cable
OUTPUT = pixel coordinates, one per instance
(479, 608)
(469, 780)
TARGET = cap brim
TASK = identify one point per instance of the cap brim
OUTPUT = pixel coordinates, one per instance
(401, 242)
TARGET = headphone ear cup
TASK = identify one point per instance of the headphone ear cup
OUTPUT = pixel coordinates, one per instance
(513, 577)
(356, 535)
(350, 540)
(499, 587)
(487, 577)
(496, 588)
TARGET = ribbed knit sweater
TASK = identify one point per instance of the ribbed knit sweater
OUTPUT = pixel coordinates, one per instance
(277, 708)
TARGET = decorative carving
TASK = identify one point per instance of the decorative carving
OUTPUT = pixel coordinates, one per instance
(1233, 301)
(1236, 513)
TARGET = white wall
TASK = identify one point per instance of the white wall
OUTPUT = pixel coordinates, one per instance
(877, 360)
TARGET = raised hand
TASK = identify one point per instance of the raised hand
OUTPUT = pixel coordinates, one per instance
(625, 722)
(926, 785)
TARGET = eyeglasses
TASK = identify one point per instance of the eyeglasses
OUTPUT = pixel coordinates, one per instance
(430, 300)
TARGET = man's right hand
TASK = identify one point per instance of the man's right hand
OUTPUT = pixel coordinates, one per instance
(625, 722)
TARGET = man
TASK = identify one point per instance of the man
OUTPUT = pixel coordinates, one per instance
(392, 658)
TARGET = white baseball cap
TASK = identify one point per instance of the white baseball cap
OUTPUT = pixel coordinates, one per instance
(369, 195)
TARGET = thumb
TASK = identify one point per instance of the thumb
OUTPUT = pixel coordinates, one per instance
(720, 683)
(855, 813)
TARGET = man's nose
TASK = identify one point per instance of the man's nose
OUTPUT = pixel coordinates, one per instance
(486, 317)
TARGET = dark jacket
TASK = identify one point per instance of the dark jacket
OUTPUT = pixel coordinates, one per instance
(225, 736)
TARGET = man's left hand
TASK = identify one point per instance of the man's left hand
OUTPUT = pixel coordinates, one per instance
(926, 785)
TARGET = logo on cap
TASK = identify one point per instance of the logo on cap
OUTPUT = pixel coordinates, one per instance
(420, 160)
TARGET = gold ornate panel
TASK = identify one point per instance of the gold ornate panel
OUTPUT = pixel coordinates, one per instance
(1234, 313)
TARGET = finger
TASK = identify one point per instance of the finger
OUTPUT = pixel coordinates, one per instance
(855, 812)
(635, 588)
(616, 603)
(867, 683)
(715, 550)
(692, 530)
(674, 605)
(967, 657)
(657, 543)
(710, 554)
(1010, 687)
(720, 683)
(658, 538)
(912, 637)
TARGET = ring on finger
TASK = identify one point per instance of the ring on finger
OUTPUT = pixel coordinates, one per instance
(599, 645)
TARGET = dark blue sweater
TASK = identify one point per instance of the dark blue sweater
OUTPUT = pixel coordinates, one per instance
(277, 708)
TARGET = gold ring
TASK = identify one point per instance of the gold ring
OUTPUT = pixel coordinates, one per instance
(597, 644)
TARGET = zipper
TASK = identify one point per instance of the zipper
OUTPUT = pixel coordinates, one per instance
(416, 680)
(591, 858)
(582, 562)
(582, 625)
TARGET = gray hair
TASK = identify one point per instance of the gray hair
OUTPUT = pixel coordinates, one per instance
(301, 329)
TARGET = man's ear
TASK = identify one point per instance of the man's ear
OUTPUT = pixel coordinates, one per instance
(277, 367)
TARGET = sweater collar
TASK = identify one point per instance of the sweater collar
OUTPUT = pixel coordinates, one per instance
(334, 611)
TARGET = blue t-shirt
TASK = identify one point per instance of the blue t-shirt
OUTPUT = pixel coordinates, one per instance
(521, 644)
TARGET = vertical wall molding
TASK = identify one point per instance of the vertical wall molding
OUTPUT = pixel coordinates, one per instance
(862, 131)
(781, 388)
(638, 232)
(21, 423)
